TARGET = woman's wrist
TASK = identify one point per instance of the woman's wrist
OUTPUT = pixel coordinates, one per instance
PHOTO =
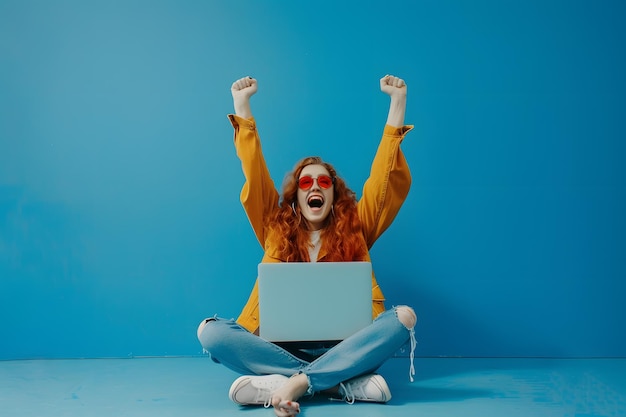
(242, 108)
(397, 108)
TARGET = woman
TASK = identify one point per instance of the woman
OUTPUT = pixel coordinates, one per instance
(317, 218)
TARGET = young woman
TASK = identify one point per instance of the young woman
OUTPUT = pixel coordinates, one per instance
(316, 219)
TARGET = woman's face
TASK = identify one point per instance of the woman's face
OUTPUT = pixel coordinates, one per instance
(316, 202)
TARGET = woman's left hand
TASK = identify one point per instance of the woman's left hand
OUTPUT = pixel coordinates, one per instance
(392, 85)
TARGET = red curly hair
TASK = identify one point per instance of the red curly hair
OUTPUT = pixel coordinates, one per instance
(341, 236)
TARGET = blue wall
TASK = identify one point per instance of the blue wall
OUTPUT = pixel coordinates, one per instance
(120, 223)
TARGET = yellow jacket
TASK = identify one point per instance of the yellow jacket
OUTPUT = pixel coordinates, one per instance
(383, 194)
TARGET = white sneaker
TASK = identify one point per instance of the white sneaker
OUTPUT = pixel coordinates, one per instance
(365, 388)
(249, 390)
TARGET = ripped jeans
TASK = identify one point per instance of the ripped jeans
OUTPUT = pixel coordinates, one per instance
(362, 353)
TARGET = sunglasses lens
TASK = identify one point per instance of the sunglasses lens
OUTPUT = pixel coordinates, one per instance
(324, 181)
(305, 182)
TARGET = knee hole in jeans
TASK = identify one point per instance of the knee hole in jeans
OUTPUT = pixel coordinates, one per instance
(407, 316)
(203, 323)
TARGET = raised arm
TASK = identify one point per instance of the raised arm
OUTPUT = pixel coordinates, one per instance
(390, 179)
(258, 194)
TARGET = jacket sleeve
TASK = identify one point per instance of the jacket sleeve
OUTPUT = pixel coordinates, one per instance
(387, 186)
(258, 195)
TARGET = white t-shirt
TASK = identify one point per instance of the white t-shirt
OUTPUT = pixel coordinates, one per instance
(316, 244)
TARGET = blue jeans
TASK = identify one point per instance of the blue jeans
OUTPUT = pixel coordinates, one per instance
(236, 348)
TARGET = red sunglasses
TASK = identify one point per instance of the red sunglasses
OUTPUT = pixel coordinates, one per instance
(324, 181)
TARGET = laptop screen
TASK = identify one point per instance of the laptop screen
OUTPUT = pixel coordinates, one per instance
(319, 301)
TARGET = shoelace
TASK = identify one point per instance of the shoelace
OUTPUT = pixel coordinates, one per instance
(412, 354)
(348, 394)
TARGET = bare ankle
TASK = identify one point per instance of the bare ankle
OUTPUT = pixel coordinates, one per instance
(299, 384)
(292, 390)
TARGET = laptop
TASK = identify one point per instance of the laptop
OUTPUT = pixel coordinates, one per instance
(322, 302)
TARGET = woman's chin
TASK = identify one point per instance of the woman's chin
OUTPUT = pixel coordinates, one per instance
(316, 220)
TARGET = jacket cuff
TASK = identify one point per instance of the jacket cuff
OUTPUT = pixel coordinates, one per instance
(238, 121)
(397, 131)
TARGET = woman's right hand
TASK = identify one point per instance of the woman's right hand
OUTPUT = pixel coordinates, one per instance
(242, 90)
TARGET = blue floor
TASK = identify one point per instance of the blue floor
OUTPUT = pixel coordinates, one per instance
(195, 386)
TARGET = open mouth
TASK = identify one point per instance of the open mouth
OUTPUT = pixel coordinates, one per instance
(315, 201)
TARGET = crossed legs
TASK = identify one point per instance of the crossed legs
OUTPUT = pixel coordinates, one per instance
(362, 353)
